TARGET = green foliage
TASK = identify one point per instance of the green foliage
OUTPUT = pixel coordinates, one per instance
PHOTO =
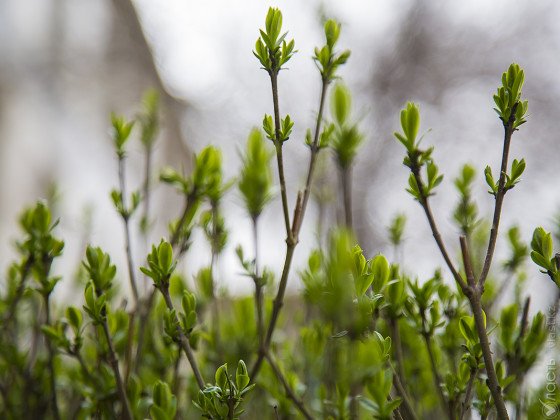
(508, 97)
(271, 49)
(222, 400)
(326, 59)
(396, 229)
(121, 133)
(255, 181)
(346, 138)
(165, 403)
(466, 212)
(541, 254)
(160, 264)
(366, 338)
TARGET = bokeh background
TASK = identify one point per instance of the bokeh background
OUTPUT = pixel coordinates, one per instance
(66, 64)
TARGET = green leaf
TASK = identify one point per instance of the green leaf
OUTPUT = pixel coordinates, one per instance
(413, 188)
(157, 413)
(241, 376)
(466, 327)
(490, 181)
(332, 32)
(340, 103)
(380, 269)
(165, 256)
(74, 317)
(221, 376)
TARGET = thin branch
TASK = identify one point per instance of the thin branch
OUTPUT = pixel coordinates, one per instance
(425, 203)
(183, 340)
(279, 158)
(146, 187)
(474, 297)
(313, 158)
(176, 379)
(129, 343)
(293, 236)
(259, 298)
(51, 354)
(126, 218)
(407, 404)
(289, 391)
(213, 262)
(126, 410)
(24, 273)
(508, 131)
(492, 382)
(397, 346)
(435, 374)
(346, 181)
(466, 405)
(467, 262)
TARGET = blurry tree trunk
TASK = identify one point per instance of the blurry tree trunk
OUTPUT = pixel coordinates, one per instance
(129, 48)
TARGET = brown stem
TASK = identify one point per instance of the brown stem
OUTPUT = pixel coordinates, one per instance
(508, 131)
(183, 340)
(279, 158)
(24, 273)
(176, 380)
(129, 343)
(474, 296)
(425, 203)
(190, 203)
(54, 402)
(467, 261)
(397, 346)
(435, 373)
(126, 411)
(407, 404)
(276, 306)
(215, 310)
(289, 391)
(346, 181)
(293, 236)
(492, 381)
(146, 187)
(143, 320)
(313, 158)
(259, 304)
(468, 394)
(126, 217)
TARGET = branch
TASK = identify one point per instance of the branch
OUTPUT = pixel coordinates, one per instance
(399, 386)
(508, 131)
(299, 213)
(54, 402)
(345, 180)
(183, 340)
(435, 232)
(126, 217)
(468, 394)
(467, 262)
(126, 411)
(258, 287)
(492, 381)
(289, 391)
(476, 306)
(279, 158)
(435, 373)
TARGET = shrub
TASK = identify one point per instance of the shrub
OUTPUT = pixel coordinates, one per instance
(365, 339)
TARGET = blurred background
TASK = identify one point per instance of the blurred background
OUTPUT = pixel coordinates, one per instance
(66, 64)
